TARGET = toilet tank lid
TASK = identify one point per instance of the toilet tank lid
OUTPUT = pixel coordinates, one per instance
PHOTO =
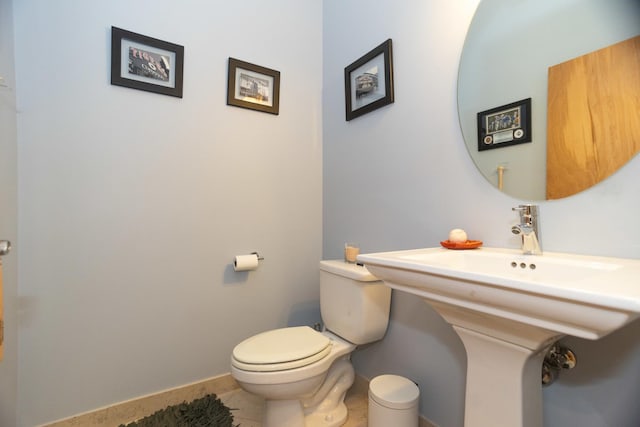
(348, 270)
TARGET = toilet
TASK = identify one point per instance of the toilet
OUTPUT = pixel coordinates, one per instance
(304, 374)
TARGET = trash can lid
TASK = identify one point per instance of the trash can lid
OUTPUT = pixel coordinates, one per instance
(394, 391)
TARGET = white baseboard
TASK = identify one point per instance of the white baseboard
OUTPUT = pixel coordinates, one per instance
(134, 409)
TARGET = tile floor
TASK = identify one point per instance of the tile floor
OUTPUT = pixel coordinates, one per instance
(247, 408)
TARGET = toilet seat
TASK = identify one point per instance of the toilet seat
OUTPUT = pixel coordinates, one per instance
(281, 349)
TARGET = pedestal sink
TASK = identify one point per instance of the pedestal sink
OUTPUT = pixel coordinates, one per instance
(508, 308)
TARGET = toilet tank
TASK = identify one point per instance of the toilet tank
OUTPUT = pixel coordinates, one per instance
(354, 304)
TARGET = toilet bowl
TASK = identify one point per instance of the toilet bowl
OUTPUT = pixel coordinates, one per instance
(292, 388)
(304, 374)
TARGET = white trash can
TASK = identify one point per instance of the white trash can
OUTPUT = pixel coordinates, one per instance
(393, 402)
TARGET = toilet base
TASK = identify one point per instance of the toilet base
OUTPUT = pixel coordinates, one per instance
(325, 408)
(283, 413)
(334, 418)
(289, 413)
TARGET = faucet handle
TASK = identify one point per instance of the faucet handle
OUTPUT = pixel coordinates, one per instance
(526, 210)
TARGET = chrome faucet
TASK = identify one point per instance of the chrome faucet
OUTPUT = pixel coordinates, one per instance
(528, 229)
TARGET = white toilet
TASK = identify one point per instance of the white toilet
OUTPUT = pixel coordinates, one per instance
(304, 374)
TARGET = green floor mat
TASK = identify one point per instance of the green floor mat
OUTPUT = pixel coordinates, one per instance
(208, 411)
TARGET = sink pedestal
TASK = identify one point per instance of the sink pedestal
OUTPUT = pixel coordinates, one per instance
(504, 370)
(503, 383)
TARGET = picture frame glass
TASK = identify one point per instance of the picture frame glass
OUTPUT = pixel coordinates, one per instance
(368, 83)
(253, 87)
(505, 126)
(147, 64)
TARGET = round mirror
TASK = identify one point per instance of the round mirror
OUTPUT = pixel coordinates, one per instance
(548, 91)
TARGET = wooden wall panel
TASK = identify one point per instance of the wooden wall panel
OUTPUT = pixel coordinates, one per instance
(593, 117)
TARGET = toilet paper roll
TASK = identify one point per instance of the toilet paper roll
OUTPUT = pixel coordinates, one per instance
(245, 262)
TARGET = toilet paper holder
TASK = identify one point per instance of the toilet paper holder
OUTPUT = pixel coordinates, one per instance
(247, 262)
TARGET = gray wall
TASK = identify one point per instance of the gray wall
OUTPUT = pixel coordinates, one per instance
(133, 204)
(401, 178)
(8, 217)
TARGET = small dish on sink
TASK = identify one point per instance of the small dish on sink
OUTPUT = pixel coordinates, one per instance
(469, 244)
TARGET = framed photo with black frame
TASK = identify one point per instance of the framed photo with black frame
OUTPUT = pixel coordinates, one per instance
(253, 86)
(145, 63)
(504, 126)
(368, 82)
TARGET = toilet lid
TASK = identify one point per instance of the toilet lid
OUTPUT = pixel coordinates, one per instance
(281, 349)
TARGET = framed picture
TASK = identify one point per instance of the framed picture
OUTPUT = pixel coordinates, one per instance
(254, 87)
(368, 82)
(145, 63)
(505, 125)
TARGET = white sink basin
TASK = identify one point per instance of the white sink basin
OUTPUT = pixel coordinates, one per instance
(584, 296)
(508, 309)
